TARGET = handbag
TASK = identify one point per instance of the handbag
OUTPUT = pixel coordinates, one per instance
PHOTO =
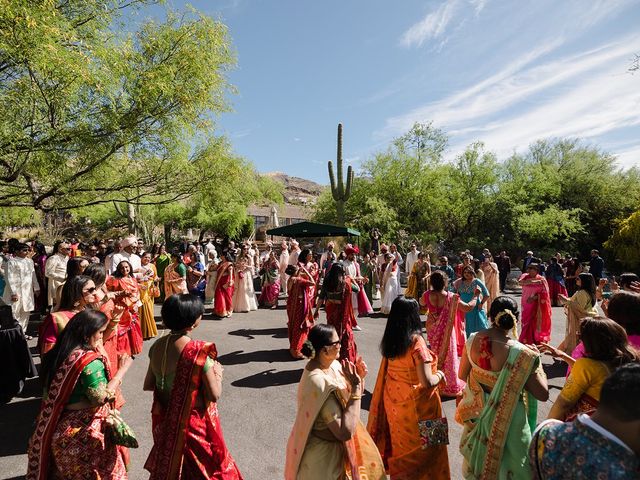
(118, 431)
(155, 291)
(433, 432)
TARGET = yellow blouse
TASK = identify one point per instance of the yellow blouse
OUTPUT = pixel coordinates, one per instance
(587, 376)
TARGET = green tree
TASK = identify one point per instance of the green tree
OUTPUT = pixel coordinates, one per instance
(93, 114)
(625, 242)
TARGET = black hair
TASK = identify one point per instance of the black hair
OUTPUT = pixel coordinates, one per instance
(626, 279)
(291, 269)
(320, 336)
(624, 309)
(303, 257)
(501, 304)
(332, 281)
(588, 284)
(76, 334)
(97, 273)
(620, 392)
(175, 253)
(402, 325)
(72, 292)
(553, 260)
(181, 311)
(606, 341)
(437, 280)
(73, 266)
(118, 273)
(39, 248)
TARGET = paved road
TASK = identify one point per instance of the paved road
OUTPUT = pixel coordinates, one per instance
(257, 407)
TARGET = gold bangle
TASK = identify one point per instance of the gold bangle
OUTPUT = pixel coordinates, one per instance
(355, 397)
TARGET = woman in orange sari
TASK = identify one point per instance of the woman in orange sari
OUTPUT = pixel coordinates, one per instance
(127, 298)
(406, 419)
(336, 296)
(187, 382)
(223, 297)
(147, 278)
(299, 307)
(175, 275)
(77, 294)
(69, 440)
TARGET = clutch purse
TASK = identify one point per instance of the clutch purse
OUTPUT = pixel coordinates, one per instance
(433, 432)
(118, 431)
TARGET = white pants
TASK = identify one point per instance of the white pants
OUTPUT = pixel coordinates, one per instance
(21, 316)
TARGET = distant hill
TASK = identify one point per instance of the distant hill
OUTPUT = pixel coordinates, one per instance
(297, 191)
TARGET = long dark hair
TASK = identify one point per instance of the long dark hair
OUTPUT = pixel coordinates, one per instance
(402, 325)
(75, 335)
(119, 274)
(624, 309)
(588, 284)
(332, 282)
(606, 341)
(97, 273)
(72, 292)
(73, 266)
(175, 253)
(303, 257)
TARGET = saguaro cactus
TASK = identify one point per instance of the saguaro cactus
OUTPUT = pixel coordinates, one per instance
(340, 192)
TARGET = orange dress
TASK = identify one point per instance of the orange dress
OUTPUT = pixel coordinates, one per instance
(399, 402)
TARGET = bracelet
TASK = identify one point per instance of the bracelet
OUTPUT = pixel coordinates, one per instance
(355, 397)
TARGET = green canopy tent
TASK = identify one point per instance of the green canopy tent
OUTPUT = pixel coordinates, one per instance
(311, 229)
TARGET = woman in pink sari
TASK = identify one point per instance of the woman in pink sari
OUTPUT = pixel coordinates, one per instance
(270, 280)
(223, 297)
(536, 307)
(444, 309)
(125, 286)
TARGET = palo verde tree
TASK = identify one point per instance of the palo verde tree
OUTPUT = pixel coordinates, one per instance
(93, 113)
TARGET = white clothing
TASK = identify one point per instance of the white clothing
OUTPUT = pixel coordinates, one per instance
(412, 258)
(244, 296)
(210, 252)
(284, 262)
(588, 421)
(391, 288)
(20, 275)
(398, 257)
(132, 258)
(293, 257)
(56, 271)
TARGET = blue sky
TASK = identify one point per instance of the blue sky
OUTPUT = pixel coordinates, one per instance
(503, 72)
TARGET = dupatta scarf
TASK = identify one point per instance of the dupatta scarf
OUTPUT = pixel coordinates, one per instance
(536, 314)
(65, 379)
(362, 458)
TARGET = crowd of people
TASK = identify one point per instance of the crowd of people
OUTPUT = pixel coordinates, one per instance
(474, 344)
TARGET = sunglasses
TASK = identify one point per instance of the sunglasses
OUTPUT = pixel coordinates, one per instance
(333, 344)
(89, 290)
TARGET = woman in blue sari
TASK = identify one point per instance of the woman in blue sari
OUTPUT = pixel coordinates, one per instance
(476, 318)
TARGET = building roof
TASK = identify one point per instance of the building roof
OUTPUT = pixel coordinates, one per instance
(311, 229)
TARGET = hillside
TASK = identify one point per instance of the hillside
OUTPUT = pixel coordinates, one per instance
(297, 190)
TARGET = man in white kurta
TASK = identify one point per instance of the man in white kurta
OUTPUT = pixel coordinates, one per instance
(284, 263)
(350, 270)
(127, 245)
(56, 271)
(21, 285)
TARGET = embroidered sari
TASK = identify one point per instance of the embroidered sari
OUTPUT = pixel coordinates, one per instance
(162, 262)
(321, 398)
(71, 444)
(299, 312)
(416, 284)
(578, 307)
(51, 329)
(129, 333)
(187, 440)
(364, 305)
(270, 281)
(491, 281)
(147, 319)
(399, 402)
(498, 425)
(175, 279)
(223, 302)
(339, 309)
(440, 325)
(536, 313)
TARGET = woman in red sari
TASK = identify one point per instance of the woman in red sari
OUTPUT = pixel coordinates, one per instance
(77, 294)
(299, 307)
(336, 296)
(69, 440)
(187, 382)
(223, 297)
(124, 284)
(536, 307)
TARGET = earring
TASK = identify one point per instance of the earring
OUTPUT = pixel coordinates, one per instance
(77, 304)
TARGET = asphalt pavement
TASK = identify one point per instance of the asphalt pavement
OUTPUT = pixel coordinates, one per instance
(258, 402)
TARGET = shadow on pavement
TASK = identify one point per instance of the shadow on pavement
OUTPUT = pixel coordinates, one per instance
(18, 422)
(269, 378)
(240, 358)
(555, 370)
(251, 333)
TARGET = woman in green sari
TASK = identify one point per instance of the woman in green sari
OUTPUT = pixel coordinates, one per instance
(499, 404)
(162, 261)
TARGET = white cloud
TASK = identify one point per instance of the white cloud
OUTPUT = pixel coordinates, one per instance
(433, 26)
(584, 95)
(628, 158)
(478, 5)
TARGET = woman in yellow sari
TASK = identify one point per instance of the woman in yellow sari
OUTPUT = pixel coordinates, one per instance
(147, 278)
(418, 281)
(328, 441)
(498, 408)
(406, 419)
(581, 304)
